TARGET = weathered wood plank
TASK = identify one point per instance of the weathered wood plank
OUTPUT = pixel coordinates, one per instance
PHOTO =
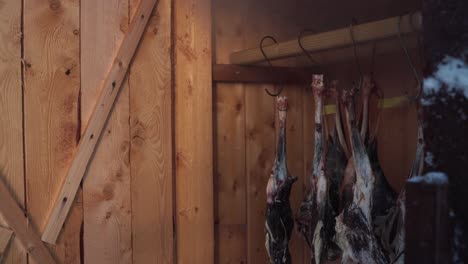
(51, 94)
(152, 150)
(193, 131)
(15, 218)
(230, 178)
(106, 190)
(427, 222)
(11, 116)
(260, 154)
(5, 237)
(109, 91)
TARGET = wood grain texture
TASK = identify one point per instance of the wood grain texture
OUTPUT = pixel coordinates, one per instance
(230, 178)
(109, 92)
(28, 237)
(11, 116)
(5, 238)
(193, 131)
(151, 123)
(260, 154)
(51, 92)
(107, 211)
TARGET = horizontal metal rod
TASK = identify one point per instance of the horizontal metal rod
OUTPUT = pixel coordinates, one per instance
(336, 39)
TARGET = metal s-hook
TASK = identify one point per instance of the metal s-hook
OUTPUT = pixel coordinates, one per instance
(351, 34)
(377, 89)
(410, 63)
(299, 42)
(269, 63)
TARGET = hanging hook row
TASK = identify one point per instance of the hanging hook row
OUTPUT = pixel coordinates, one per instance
(358, 65)
(269, 63)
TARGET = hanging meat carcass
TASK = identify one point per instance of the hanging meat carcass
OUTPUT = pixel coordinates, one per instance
(384, 197)
(279, 221)
(312, 210)
(354, 232)
(336, 158)
(346, 192)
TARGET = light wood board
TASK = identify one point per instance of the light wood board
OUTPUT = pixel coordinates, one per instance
(230, 178)
(11, 113)
(51, 117)
(107, 216)
(193, 131)
(151, 127)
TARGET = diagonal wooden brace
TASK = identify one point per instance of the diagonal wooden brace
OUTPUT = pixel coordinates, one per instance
(17, 221)
(5, 237)
(97, 121)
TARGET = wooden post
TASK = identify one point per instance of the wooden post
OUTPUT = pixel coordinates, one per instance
(426, 223)
(193, 131)
(445, 101)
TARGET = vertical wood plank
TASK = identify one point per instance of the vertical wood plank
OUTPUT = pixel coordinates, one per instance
(150, 83)
(230, 178)
(106, 188)
(193, 131)
(51, 123)
(11, 113)
(260, 154)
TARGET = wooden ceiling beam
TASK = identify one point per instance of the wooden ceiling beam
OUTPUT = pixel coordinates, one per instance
(340, 38)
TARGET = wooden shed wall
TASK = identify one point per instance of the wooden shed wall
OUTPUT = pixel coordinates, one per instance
(54, 57)
(245, 116)
(150, 195)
